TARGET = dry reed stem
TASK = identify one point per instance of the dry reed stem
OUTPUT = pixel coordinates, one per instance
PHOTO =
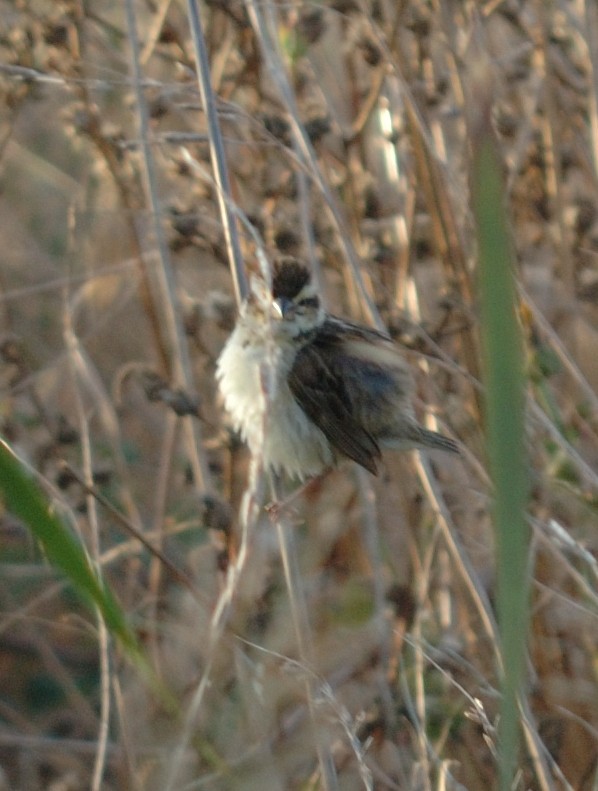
(400, 697)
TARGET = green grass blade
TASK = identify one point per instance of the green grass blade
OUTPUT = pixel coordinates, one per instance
(505, 401)
(25, 500)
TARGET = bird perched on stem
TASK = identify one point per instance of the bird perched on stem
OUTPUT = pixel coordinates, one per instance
(305, 388)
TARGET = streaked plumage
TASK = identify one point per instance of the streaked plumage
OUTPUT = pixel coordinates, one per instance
(335, 388)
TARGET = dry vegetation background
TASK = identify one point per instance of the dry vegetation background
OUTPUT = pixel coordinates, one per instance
(347, 128)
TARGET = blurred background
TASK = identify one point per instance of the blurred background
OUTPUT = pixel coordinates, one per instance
(348, 129)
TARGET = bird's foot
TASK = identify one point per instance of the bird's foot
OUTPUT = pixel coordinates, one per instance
(277, 508)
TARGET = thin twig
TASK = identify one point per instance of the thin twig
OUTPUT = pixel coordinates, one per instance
(130, 528)
(217, 153)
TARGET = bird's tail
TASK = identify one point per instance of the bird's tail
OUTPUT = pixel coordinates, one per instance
(431, 439)
(412, 435)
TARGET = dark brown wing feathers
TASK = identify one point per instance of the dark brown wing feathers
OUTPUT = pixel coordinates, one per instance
(318, 384)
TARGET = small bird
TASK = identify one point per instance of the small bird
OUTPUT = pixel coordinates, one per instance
(305, 388)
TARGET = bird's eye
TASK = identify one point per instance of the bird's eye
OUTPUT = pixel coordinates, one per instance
(309, 302)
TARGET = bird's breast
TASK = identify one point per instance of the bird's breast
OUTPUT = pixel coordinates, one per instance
(253, 377)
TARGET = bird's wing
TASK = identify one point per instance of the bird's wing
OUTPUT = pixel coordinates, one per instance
(318, 386)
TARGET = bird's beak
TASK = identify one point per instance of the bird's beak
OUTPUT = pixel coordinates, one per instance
(281, 307)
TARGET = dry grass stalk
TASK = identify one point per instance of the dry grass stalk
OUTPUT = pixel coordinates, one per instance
(343, 130)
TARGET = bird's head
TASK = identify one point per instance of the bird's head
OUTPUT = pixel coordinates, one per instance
(293, 304)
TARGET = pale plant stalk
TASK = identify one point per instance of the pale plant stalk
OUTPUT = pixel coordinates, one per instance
(217, 153)
(263, 19)
(559, 542)
(75, 361)
(179, 351)
(370, 528)
(549, 126)
(589, 13)
(305, 213)
(476, 709)
(556, 344)
(586, 472)
(420, 698)
(159, 511)
(248, 517)
(154, 31)
(301, 628)
(125, 734)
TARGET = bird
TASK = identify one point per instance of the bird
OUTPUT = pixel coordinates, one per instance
(305, 389)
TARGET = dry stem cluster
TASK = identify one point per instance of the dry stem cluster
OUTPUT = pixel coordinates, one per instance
(354, 647)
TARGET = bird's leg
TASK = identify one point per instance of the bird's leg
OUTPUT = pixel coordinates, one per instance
(277, 507)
